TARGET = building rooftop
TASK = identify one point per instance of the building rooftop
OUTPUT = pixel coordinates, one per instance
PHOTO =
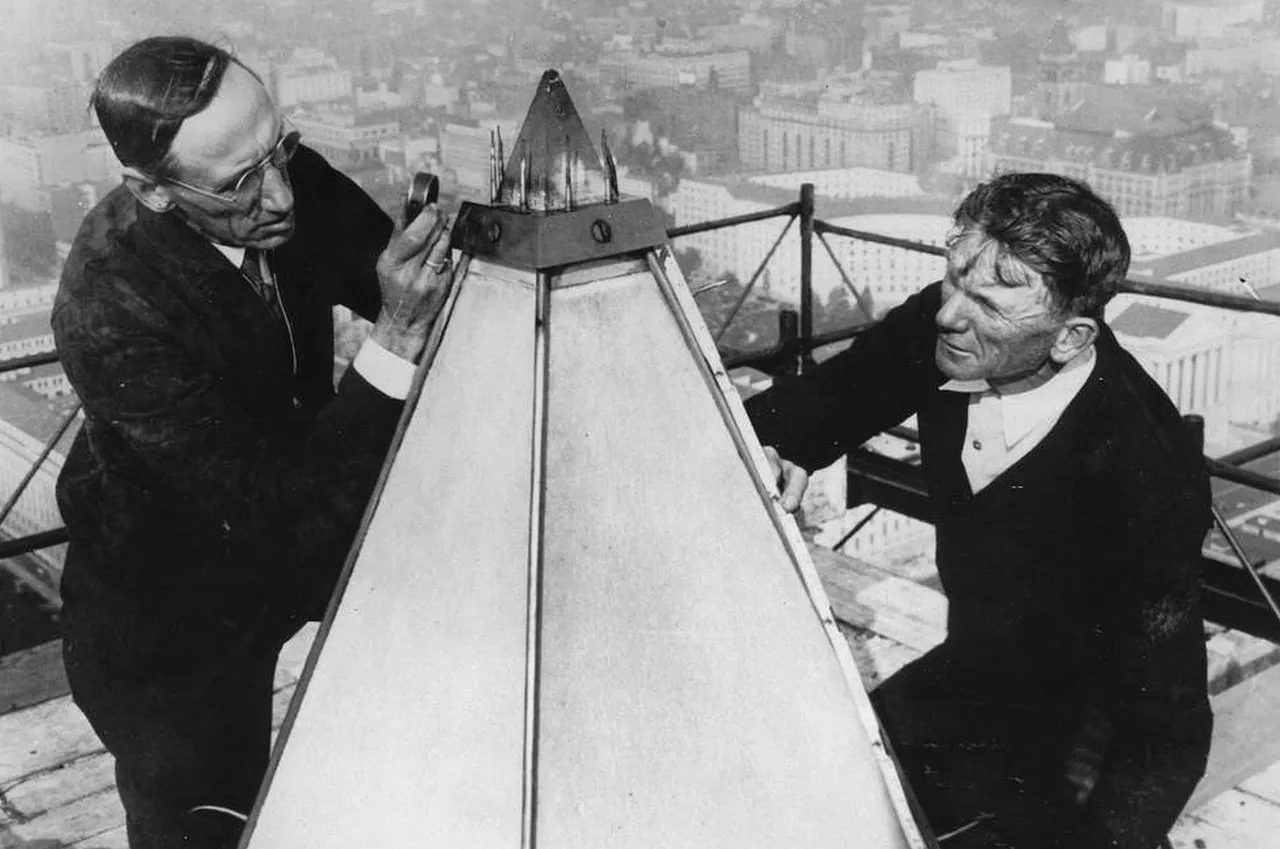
(1059, 41)
(1090, 140)
(32, 414)
(1148, 321)
(1136, 110)
(25, 327)
(743, 187)
(1170, 266)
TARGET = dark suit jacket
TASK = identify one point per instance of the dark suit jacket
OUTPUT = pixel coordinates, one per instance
(218, 480)
(1071, 579)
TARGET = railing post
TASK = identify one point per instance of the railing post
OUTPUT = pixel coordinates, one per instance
(806, 276)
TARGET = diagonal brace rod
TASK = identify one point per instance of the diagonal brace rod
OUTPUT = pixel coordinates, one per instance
(742, 299)
(857, 296)
(1238, 550)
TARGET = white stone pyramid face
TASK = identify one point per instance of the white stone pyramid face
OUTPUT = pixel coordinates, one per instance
(688, 691)
(575, 617)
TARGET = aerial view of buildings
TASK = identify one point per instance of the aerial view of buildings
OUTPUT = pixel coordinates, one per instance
(891, 111)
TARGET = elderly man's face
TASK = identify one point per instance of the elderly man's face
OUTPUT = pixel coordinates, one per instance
(996, 321)
(237, 130)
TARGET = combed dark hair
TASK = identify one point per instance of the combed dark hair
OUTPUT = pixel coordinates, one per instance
(143, 95)
(1059, 227)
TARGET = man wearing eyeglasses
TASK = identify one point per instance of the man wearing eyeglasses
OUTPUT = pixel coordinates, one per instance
(219, 477)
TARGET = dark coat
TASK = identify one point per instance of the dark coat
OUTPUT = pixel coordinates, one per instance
(1071, 579)
(218, 479)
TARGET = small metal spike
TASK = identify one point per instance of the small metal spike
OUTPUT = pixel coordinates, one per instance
(604, 165)
(502, 158)
(524, 183)
(568, 176)
(547, 186)
(610, 169)
(577, 175)
(493, 169)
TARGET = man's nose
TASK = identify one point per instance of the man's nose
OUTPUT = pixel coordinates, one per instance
(277, 194)
(951, 314)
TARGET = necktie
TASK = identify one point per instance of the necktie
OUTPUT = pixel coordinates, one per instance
(252, 269)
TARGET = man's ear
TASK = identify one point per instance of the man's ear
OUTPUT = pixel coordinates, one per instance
(154, 195)
(1074, 338)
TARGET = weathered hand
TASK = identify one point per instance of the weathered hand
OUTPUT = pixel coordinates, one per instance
(791, 479)
(415, 273)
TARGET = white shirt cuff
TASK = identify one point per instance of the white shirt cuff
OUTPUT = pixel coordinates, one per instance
(389, 374)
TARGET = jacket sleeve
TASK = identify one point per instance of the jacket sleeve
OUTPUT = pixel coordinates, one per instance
(881, 379)
(1154, 676)
(271, 488)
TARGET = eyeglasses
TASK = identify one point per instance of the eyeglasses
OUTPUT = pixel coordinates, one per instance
(246, 190)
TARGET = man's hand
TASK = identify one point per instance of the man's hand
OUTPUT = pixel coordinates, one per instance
(791, 479)
(414, 272)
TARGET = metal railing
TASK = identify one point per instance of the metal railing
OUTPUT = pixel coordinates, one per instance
(1238, 597)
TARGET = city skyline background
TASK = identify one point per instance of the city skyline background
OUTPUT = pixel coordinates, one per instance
(892, 111)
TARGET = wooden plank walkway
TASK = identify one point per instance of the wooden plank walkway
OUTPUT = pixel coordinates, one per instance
(57, 788)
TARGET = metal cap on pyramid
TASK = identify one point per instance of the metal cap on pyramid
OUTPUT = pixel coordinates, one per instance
(555, 202)
(553, 166)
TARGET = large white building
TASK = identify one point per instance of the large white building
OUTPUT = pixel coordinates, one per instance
(787, 136)
(1246, 264)
(966, 96)
(1195, 19)
(31, 166)
(25, 335)
(965, 86)
(345, 137)
(1152, 237)
(728, 69)
(1255, 370)
(844, 183)
(1241, 51)
(310, 76)
(1233, 266)
(80, 60)
(1169, 161)
(1129, 69)
(887, 274)
(44, 108)
(890, 274)
(404, 156)
(464, 150)
(1184, 351)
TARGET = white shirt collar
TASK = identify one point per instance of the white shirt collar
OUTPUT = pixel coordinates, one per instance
(1022, 412)
(235, 255)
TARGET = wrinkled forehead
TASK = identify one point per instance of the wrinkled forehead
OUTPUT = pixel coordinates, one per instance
(979, 260)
